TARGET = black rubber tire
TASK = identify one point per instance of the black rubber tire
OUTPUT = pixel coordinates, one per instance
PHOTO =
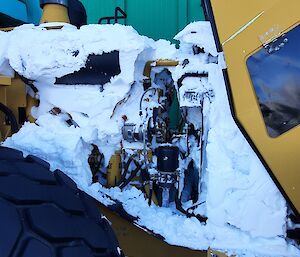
(43, 214)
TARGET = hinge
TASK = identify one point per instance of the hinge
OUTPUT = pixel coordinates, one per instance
(277, 44)
(270, 35)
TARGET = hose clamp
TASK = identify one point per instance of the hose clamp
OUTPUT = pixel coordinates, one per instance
(61, 2)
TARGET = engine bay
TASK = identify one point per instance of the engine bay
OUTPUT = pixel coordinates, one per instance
(152, 137)
(161, 155)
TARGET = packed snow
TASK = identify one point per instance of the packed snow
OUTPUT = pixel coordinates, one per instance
(246, 212)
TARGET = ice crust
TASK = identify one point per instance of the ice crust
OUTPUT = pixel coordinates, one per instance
(246, 212)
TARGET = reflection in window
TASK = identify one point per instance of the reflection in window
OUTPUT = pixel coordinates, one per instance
(275, 74)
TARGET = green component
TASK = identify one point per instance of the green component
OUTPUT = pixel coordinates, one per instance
(153, 18)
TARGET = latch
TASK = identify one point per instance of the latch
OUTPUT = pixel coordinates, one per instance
(270, 35)
(277, 44)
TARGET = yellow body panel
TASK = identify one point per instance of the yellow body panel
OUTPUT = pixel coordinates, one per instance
(13, 95)
(243, 27)
(135, 242)
(214, 253)
(232, 15)
(5, 81)
(114, 170)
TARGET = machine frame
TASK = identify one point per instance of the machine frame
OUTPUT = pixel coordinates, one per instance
(240, 35)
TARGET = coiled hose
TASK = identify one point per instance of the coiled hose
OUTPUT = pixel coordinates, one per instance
(189, 215)
(11, 117)
(123, 182)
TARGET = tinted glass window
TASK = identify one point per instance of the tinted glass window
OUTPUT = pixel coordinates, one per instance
(275, 74)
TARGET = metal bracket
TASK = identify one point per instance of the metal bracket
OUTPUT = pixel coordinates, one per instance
(270, 35)
(5, 81)
(115, 18)
(276, 44)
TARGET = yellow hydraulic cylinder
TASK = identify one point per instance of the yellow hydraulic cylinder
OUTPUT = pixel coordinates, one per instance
(158, 63)
(55, 13)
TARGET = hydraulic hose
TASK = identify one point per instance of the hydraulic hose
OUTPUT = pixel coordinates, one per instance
(182, 210)
(132, 175)
(142, 98)
(11, 117)
(126, 167)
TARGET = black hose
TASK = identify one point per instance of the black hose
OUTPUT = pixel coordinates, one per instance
(142, 98)
(207, 94)
(132, 175)
(126, 167)
(30, 83)
(190, 75)
(194, 207)
(189, 215)
(11, 117)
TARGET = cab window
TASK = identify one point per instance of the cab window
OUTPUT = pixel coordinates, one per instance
(275, 74)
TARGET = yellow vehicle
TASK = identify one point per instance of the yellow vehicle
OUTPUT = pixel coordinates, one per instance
(251, 39)
(261, 75)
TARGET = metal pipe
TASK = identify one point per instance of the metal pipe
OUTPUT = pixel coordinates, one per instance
(158, 63)
(60, 2)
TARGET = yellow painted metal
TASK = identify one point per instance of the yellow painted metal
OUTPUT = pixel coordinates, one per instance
(12, 90)
(7, 29)
(159, 63)
(55, 13)
(232, 15)
(153, 197)
(5, 81)
(247, 24)
(114, 173)
(135, 242)
(14, 97)
(214, 253)
(114, 170)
